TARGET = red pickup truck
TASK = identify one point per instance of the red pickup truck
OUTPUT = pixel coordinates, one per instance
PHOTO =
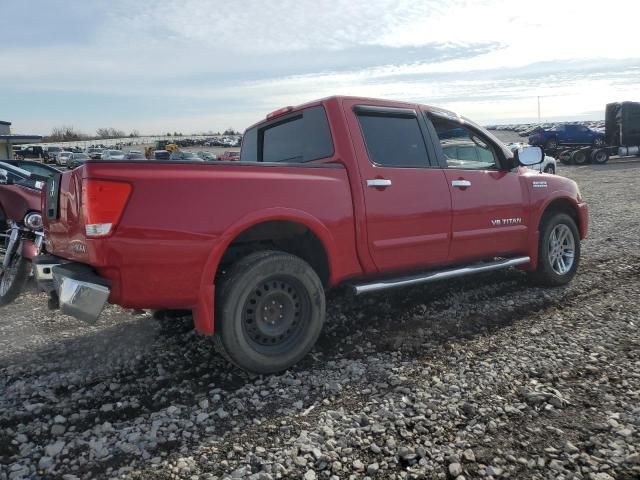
(371, 193)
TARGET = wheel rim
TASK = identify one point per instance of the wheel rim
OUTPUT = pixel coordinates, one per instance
(275, 314)
(600, 157)
(561, 249)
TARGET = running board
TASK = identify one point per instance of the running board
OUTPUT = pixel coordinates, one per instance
(439, 275)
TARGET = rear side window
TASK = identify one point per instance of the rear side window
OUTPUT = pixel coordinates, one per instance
(394, 141)
(300, 138)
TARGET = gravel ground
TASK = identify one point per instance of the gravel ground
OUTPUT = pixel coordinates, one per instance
(481, 377)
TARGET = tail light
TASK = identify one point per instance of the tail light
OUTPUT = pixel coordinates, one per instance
(102, 205)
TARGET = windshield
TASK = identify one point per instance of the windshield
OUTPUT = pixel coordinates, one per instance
(54, 149)
(80, 156)
(115, 152)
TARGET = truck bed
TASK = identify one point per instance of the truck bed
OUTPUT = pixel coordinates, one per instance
(208, 204)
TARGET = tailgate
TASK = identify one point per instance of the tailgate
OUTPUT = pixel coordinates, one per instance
(63, 216)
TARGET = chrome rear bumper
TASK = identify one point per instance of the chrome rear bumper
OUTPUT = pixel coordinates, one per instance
(81, 293)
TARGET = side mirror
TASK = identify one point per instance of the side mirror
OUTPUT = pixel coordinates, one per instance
(4, 177)
(528, 156)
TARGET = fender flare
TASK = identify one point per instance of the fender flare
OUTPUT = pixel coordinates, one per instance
(204, 311)
(536, 218)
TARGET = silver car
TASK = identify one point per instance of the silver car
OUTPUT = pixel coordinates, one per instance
(63, 157)
(113, 155)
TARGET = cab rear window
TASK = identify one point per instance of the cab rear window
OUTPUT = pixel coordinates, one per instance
(302, 137)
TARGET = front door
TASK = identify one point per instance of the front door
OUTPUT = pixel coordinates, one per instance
(407, 200)
(488, 202)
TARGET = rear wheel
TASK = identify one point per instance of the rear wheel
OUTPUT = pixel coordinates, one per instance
(271, 311)
(565, 157)
(600, 156)
(579, 157)
(558, 250)
(549, 169)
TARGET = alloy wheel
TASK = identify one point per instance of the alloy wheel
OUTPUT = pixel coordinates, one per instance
(561, 249)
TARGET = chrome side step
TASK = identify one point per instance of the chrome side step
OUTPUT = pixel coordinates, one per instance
(439, 275)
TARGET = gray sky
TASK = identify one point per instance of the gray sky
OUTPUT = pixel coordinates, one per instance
(199, 65)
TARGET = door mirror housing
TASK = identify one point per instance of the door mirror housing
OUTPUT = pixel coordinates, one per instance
(528, 155)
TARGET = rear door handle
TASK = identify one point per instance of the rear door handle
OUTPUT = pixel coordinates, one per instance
(378, 182)
(460, 183)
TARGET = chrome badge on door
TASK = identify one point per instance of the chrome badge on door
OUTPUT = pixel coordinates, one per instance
(498, 222)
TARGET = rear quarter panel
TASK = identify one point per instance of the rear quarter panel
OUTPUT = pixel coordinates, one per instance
(180, 218)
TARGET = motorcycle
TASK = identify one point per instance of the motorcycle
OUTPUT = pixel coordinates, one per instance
(21, 243)
(21, 228)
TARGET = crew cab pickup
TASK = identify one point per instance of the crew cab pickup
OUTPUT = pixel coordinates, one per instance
(340, 191)
(566, 134)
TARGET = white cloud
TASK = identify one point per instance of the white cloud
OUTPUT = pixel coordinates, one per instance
(250, 56)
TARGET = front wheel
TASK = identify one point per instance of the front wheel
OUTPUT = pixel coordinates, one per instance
(13, 279)
(271, 311)
(558, 250)
(550, 169)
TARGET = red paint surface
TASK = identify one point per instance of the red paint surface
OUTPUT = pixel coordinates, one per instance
(180, 219)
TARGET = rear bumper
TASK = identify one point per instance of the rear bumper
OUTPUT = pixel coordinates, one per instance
(81, 293)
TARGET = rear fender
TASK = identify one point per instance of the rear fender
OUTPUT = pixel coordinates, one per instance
(203, 312)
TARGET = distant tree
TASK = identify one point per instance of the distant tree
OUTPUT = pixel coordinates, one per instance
(109, 133)
(175, 134)
(65, 133)
(168, 134)
(229, 131)
(134, 133)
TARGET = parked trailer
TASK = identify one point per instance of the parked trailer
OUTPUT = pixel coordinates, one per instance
(622, 132)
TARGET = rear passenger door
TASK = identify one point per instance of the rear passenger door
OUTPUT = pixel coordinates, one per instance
(407, 201)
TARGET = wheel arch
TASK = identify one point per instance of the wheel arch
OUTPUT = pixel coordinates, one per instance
(251, 231)
(562, 204)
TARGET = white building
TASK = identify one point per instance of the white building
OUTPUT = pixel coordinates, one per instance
(7, 140)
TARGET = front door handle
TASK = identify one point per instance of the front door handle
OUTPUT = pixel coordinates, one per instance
(378, 183)
(460, 183)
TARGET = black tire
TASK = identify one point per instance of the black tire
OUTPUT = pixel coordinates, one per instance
(565, 157)
(550, 169)
(20, 267)
(579, 157)
(288, 292)
(600, 156)
(551, 144)
(548, 272)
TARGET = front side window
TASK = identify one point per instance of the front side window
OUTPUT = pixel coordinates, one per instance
(463, 148)
(394, 141)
